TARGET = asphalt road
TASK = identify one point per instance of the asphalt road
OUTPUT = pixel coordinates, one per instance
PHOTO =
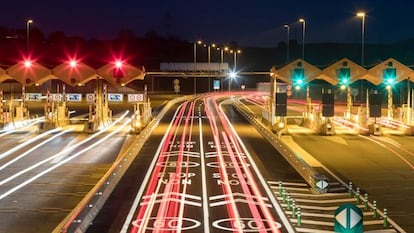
(39, 205)
(271, 165)
(380, 166)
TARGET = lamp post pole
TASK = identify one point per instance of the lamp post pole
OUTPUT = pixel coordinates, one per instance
(195, 64)
(28, 22)
(362, 15)
(287, 42)
(303, 36)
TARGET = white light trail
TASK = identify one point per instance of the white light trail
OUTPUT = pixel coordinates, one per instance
(60, 153)
(34, 148)
(21, 185)
(28, 142)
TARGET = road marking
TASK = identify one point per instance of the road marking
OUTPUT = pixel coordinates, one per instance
(216, 197)
(174, 194)
(146, 179)
(267, 189)
(237, 200)
(206, 221)
(176, 153)
(163, 200)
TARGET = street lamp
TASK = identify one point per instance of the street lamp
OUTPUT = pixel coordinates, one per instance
(235, 52)
(287, 42)
(195, 63)
(361, 14)
(28, 22)
(301, 20)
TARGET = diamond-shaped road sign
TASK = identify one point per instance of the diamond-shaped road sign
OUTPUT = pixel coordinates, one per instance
(322, 184)
(348, 219)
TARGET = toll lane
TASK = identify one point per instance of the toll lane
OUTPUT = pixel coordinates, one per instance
(376, 167)
(41, 182)
(200, 178)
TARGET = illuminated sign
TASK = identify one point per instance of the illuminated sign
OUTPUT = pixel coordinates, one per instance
(216, 84)
(33, 96)
(74, 97)
(115, 97)
(90, 97)
(135, 97)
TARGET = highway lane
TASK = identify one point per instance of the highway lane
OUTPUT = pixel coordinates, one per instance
(38, 199)
(231, 194)
(382, 166)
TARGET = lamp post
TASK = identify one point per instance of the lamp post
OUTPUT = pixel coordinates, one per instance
(209, 61)
(235, 52)
(287, 42)
(222, 49)
(301, 20)
(195, 63)
(361, 14)
(233, 73)
(28, 22)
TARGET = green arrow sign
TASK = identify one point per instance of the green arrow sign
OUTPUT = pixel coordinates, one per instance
(348, 219)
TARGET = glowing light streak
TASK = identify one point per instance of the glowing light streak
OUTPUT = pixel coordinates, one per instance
(391, 150)
(58, 154)
(146, 179)
(231, 207)
(28, 181)
(203, 180)
(26, 143)
(34, 148)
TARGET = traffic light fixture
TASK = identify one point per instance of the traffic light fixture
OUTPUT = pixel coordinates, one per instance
(281, 104)
(298, 77)
(344, 75)
(389, 75)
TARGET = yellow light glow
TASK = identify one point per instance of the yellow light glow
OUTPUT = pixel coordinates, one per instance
(361, 14)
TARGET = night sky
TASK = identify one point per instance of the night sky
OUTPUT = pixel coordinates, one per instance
(251, 23)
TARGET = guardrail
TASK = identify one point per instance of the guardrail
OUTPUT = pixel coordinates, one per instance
(307, 172)
(79, 219)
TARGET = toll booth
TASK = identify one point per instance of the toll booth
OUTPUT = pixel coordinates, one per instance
(11, 114)
(142, 116)
(56, 113)
(100, 115)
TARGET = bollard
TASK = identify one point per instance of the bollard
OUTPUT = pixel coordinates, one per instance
(385, 218)
(366, 201)
(350, 188)
(280, 188)
(284, 195)
(293, 208)
(375, 209)
(288, 201)
(299, 217)
(358, 196)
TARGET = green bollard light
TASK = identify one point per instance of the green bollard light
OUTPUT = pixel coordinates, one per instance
(280, 188)
(385, 218)
(375, 209)
(288, 201)
(358, 196)
(366, 201)
(293, 208)
(284, 195)
(299, 217)
(350, 188)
